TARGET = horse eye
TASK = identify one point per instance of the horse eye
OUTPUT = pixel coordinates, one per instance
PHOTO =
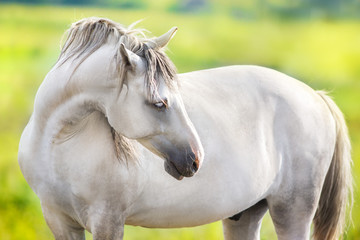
(161, 104)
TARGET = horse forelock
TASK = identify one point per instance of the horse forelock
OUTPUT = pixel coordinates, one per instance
(158, 66)
(89, 34)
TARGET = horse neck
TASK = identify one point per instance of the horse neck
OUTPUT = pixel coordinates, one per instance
(60, 113)
(57, 108)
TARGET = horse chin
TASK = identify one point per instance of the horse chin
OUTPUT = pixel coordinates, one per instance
(172, 170)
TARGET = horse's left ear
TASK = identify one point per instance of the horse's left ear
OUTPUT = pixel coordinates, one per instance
(129, 58)
(163, 40)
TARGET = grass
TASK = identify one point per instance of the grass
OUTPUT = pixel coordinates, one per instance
(324, 54)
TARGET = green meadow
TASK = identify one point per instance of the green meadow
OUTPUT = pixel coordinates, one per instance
(321, 52)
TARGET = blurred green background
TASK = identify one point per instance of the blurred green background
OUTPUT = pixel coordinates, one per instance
(316, 41)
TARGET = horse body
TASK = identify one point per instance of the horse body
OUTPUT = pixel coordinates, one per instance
(247, 140)
(268, 140)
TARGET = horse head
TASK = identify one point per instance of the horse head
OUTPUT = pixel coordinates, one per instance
(141, 99)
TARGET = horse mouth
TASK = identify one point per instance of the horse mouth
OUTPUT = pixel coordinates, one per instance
(171, 169)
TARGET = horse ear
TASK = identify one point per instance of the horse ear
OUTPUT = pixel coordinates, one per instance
(130, 59)
(163, 40)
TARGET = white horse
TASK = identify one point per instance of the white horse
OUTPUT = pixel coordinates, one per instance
(270, 142)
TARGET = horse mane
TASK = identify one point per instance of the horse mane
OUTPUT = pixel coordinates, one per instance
(89, 34)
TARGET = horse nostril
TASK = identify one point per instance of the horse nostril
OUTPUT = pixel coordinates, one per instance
(193, 163)
(195, 166)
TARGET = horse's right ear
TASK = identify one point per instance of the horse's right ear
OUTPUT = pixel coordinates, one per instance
(129, 58)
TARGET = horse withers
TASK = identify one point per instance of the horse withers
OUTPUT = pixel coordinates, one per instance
(270, 143)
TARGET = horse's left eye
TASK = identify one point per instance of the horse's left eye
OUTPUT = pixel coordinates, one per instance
(161, 104)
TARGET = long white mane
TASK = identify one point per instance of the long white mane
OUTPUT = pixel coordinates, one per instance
(89, 34)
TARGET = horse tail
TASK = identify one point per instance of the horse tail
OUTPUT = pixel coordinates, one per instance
(337, 194)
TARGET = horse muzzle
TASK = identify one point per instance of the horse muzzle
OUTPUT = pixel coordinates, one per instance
(181, 159)
(182, 165)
